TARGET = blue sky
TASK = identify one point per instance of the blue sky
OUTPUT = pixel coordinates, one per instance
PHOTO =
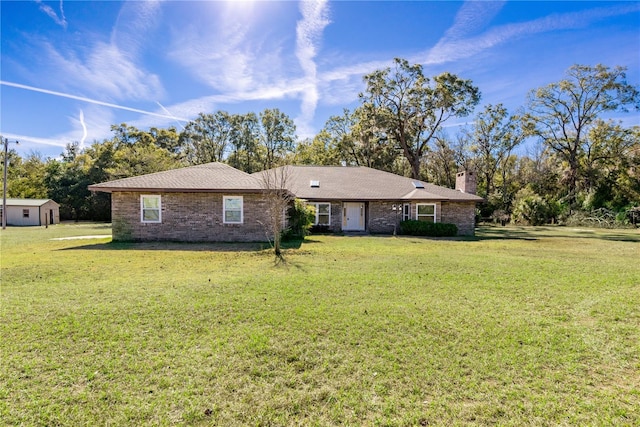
(71, 69)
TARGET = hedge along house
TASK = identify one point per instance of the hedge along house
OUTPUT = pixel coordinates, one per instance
(31, 212)
(361, 199)
(217, 203)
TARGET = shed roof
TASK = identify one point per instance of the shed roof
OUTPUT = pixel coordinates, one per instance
(28, 202)
(361, 183)
(210, 177)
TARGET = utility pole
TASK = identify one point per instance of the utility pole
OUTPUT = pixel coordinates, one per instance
(4, 182)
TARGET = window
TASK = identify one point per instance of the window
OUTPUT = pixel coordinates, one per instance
(25, 213)
(323, 213)
(406, 212)
(232, 209)
(150, 209)
(426, 212)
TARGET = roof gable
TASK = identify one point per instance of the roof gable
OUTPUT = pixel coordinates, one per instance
(209, 177)
(363, 183)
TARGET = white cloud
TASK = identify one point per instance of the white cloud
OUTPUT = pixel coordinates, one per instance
(107, 70)
(220, 50)
(309, 34)
(135, 21)
(472, 17)
(60, 20)
(106, 73)
(454, 46)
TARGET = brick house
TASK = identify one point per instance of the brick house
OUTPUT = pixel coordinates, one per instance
(365, 199)
(215, 202)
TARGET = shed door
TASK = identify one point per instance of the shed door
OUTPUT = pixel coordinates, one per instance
(353, 217)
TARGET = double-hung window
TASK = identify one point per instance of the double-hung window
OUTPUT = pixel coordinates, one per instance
(323, 213)
(426, 212)
(150, 209)
(232, 210)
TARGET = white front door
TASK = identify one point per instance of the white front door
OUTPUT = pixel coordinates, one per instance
(353, 217)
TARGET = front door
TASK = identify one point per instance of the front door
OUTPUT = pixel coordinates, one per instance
(353, 217)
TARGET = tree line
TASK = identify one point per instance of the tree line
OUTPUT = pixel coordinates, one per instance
(578, 163)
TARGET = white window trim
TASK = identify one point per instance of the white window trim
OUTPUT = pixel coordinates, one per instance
(155, 196)
(224, 210)
(318, 210)
(435, 211)
(406, 211)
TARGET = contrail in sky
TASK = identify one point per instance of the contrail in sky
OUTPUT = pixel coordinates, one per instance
(92, 101)
(84, 129)
(168, 112)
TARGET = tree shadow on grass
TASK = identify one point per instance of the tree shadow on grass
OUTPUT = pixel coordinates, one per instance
(551, 232)
(188, 246)
(172, 246)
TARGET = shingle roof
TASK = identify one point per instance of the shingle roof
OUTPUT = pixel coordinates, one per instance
(210, 177)
(334, 183)
(362, 183)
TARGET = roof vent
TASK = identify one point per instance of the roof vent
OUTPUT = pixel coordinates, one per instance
(314, 184)
(418, 184)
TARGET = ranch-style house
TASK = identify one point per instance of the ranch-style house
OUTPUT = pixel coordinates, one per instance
(215, 202)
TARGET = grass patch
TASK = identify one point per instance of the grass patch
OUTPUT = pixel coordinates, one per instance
(516, 326)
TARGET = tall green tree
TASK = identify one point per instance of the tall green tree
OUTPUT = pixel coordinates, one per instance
(245, 151)
(207, 138)
(277, 136)
(68, 180)
(167, 139)
(317, 151)
(494, 135)
(354, 139)
(410, 108)
(562, 113)
(608, 165)
(25, 177)
(441, 161)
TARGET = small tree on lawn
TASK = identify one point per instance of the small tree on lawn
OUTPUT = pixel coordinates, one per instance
(277, 200)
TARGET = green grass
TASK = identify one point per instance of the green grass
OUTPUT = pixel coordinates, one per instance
(518, 326)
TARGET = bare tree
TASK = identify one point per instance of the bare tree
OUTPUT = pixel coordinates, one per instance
(274, 184)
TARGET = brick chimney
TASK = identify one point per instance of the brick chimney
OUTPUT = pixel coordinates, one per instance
(466, 182)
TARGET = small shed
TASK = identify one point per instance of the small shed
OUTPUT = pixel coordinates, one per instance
(31, 212)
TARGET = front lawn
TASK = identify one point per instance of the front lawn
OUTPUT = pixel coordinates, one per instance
(518, 326)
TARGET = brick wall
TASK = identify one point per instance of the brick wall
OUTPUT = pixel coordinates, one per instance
(188, 217)
(198, 217)
(460, 214)
(383, 219)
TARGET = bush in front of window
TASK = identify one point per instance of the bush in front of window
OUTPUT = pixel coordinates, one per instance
(301, 218)
(413, 227)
